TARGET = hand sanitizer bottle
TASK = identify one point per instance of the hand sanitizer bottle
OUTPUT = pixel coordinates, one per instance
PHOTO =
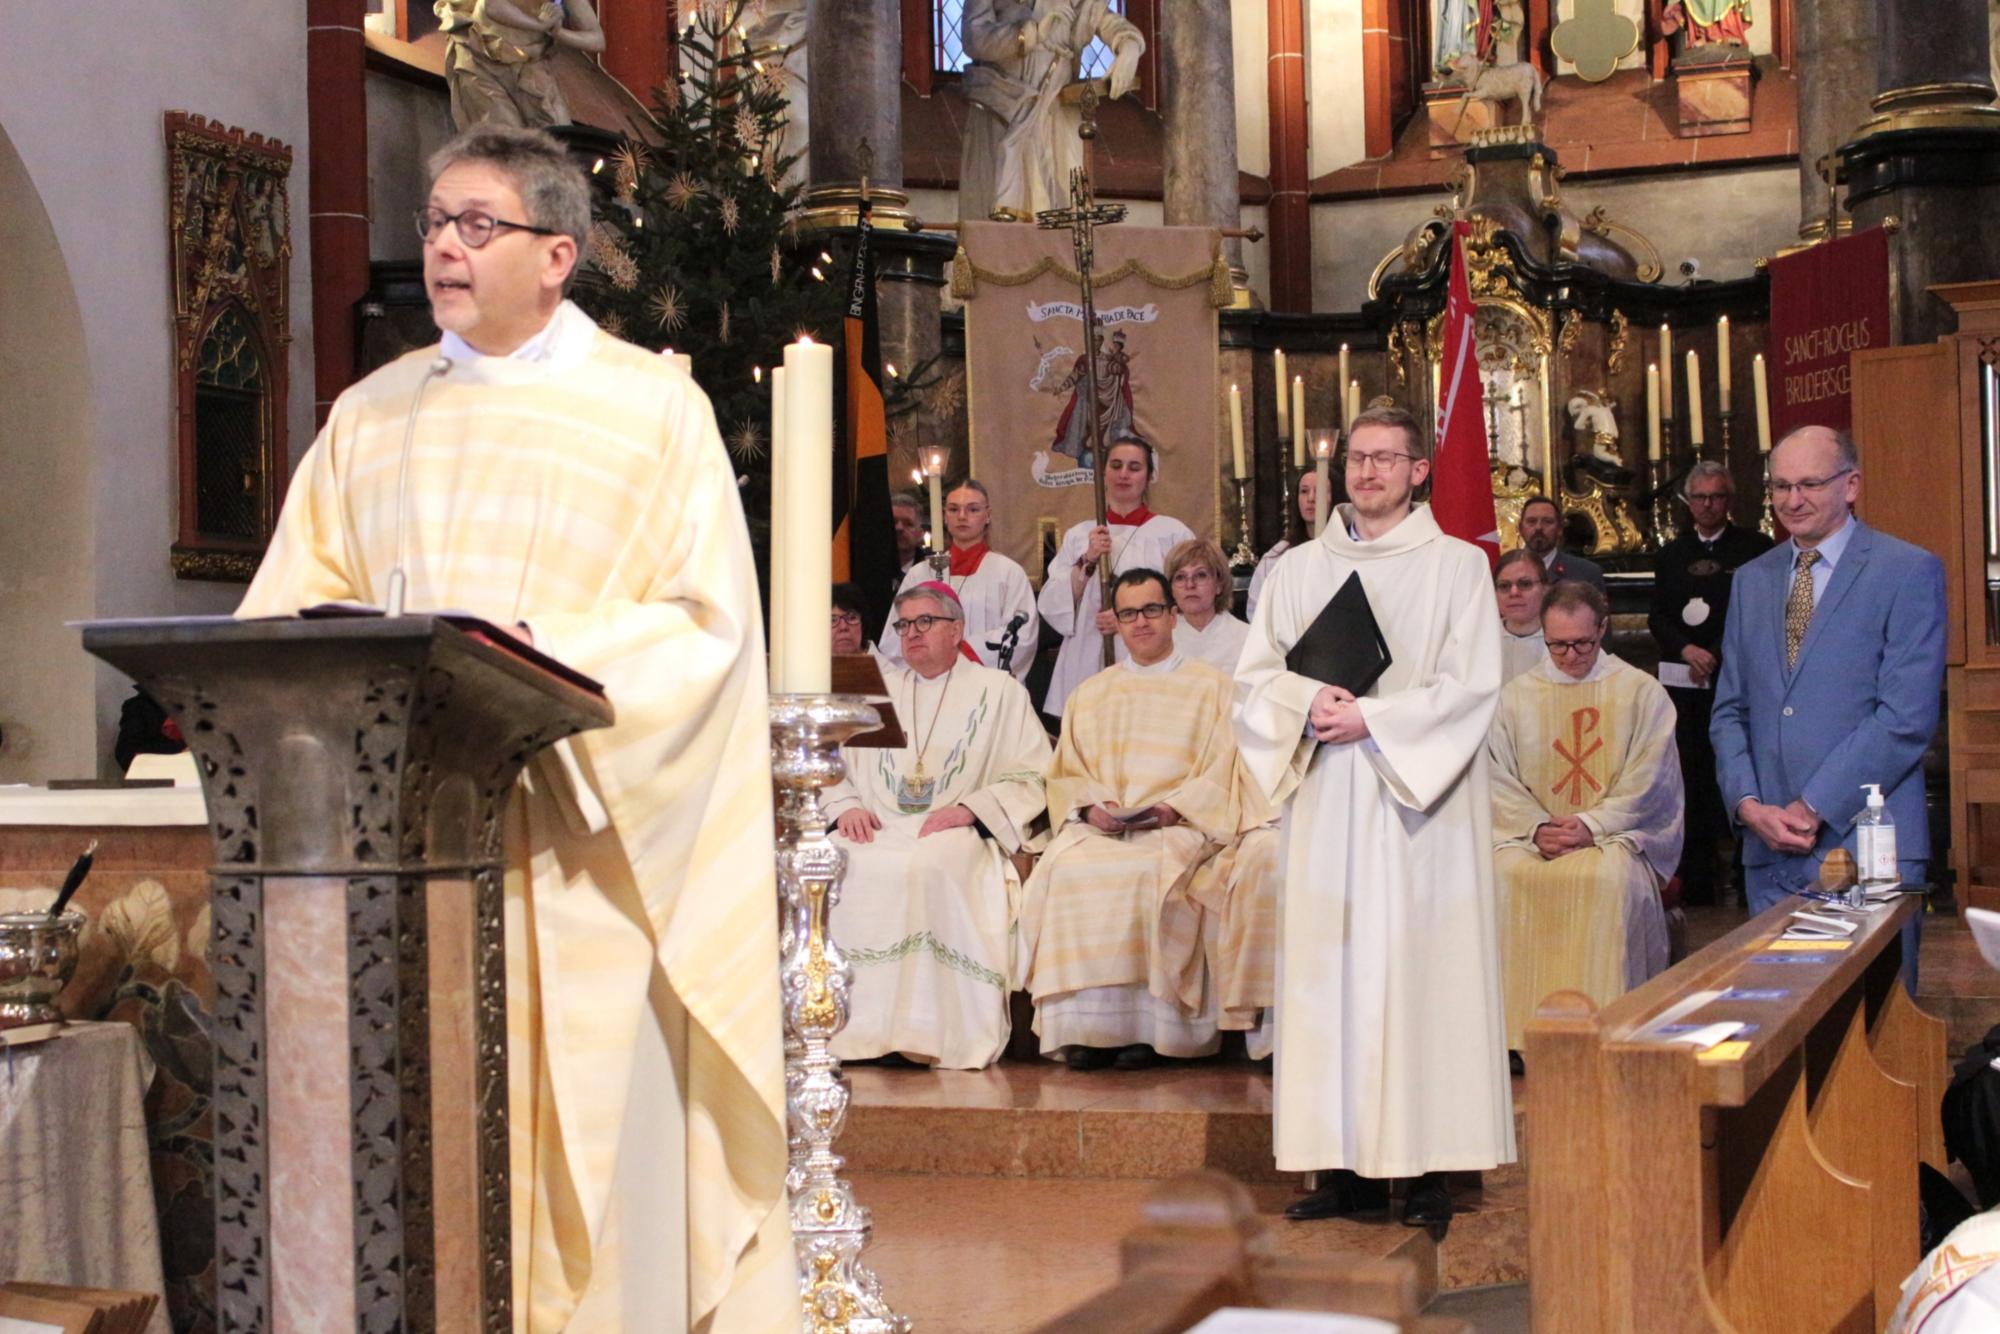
(1874, 844)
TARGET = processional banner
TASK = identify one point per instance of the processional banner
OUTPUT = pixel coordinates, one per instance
(1157, 291)
(1827, 303)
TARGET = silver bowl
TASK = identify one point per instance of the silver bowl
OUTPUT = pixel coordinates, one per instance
(37, 957)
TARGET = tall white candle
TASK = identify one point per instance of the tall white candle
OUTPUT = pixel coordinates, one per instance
(1722, 363)
(802, 522)
(777, 594)
(1322, 469)
(1347, 420)
(1353, 401)
(1761, 390)
(1667, 369)
(934, 480)
(1284, 403)
(1653, 413)
(1695, 436)
(1236, 431)
(1298, 407)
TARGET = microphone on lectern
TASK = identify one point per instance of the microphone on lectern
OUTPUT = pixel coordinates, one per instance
(398, 581)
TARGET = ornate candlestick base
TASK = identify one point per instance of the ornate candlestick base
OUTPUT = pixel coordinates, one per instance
(1725, 435)
(1663, 503)
(1767, 522)
(1244, 555)
(940, 563)
(829, 1227)
(1285, 491)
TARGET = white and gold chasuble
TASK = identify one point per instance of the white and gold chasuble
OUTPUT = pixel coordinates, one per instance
(587, 493)
(1600, 748)
(926, 921)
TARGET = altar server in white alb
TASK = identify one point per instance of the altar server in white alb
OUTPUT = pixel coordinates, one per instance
(1308, 510)
(573, 485)
(1207, 629)
(927, 907)
(1001, 624)
(1134, 539)
(1390, 1044)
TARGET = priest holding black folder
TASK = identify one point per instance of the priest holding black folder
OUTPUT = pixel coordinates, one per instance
(1363, 697)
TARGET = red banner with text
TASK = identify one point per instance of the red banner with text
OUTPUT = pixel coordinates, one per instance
(1826, 304)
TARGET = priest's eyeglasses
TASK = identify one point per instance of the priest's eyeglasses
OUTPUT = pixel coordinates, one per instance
(1381, 460)
(1152, 611)
(919, 624)
(1807, 485)
(1568, 646)
(474, 227)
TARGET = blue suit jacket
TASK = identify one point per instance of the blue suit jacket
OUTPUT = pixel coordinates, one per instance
(1861, 705)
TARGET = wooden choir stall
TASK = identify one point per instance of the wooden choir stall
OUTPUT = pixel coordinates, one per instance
(1768, 1183)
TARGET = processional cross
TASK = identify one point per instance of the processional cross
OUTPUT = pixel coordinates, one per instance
(1083, 216)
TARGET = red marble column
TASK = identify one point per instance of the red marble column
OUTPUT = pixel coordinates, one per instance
(337, 189)
(1378, 109)
(1290, 211)
(638, 43)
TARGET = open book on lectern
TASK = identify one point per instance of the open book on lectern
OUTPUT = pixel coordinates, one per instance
(1344, 645)
(472, 627)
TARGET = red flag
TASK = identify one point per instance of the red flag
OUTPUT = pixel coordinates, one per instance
(1461, 482)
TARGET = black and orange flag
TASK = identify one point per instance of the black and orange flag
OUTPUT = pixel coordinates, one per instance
(864, 533)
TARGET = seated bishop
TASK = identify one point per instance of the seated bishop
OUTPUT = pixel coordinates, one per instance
(1145, 790)
(1587, 808)
(926, 908)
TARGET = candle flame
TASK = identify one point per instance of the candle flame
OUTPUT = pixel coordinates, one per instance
(757, 374)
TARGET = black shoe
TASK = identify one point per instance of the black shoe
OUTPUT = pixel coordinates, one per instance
(1138, 1056)
(1345, 1194)
(1427, 1202)
(1515, 1065)
(1089, 1058)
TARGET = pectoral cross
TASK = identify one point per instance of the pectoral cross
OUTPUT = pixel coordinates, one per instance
(1083, 216)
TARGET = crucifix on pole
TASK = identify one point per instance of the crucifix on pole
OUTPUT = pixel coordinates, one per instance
(1082, 218)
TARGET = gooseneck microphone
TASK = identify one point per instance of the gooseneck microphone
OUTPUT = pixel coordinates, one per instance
(398, 581)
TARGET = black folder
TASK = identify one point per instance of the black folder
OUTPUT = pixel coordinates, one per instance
(1343, 646)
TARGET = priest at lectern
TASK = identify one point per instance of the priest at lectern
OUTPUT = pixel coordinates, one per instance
(540, 473)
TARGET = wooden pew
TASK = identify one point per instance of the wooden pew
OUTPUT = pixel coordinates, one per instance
(1201, 1246)
(1766, 1187)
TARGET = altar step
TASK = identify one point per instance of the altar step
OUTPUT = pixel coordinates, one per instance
(1000, 1196)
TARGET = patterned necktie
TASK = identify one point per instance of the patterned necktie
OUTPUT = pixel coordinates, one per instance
(1799, 608)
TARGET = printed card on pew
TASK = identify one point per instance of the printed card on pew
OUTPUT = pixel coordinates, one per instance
(1815, 926)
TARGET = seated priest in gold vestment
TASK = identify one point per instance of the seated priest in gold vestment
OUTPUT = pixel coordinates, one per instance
(1587, 810)
(1145, 790)
(926, 909)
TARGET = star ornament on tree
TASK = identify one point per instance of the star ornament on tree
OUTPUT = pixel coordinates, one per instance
(1595, 40)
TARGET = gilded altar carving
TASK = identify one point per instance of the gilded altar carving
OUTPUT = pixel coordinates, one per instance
(1620, 344)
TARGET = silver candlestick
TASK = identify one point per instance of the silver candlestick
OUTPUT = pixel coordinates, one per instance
(940, 563)
(829, 1227)
(1767, 522)
(1244, 555)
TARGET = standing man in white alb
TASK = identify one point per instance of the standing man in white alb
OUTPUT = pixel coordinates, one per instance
(1001, 626)
(1135, 538)
(1390, 1038)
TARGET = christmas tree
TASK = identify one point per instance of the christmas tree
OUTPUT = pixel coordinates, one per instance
(696, 244)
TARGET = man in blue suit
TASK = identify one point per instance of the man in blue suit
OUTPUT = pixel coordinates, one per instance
(1832, 664)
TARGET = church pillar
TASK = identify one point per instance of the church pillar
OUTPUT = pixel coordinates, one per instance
(1930, 156)
(855, 51)
(1836, 77)
(1290, 208)
(1198, 71)
(336, 189)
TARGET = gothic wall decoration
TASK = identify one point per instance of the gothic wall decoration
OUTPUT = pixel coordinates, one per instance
(229, 237)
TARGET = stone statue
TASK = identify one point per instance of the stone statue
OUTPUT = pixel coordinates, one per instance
(1591, 415)
(498, 56)
(778, 37)
(1020, 141)
(1519, 83)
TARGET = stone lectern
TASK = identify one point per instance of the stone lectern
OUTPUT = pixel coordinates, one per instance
(357, 772)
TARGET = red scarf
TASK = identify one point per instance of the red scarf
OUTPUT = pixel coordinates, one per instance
(1132, 520)
(965, 560)
(970, 656)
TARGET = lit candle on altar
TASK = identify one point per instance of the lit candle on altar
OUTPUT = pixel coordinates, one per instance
(1284, 404)
(1298, 407)
(1653, 413)
(1722, 363)
(934, 480)
(1667, 370)
(1322, 469)
(1348, 420)
(1353, 401)
(1695, 436)
(777, 595)
(1761, 389)
(1236, 431)
(802, 523)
